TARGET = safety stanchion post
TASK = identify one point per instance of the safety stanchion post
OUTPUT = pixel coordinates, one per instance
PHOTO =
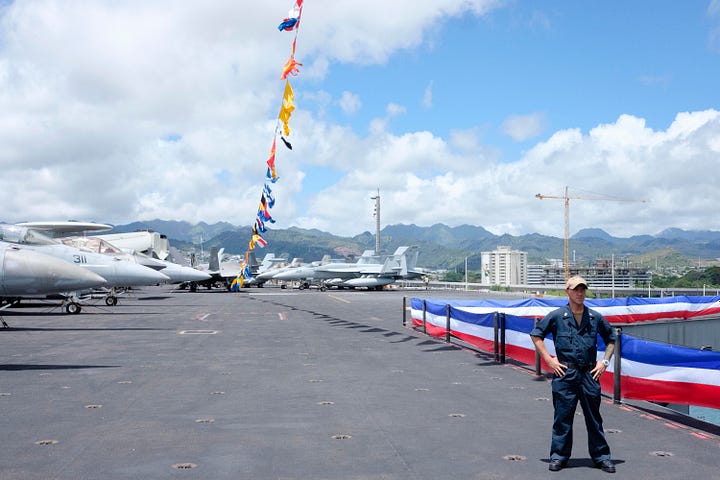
(538, 368)
(447, 323)
(424, 316)
(496, 342)
(502, 337)
(404, 313)
(617, 393)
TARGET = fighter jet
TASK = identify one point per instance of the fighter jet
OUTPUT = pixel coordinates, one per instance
(117, 272)
(26, 272)
(370, 271)
(270, 273)
(150, 249)
(295, 270)
(263, 271)
(221, 271)
(176, 273)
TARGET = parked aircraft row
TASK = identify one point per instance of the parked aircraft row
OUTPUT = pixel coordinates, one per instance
(370, 271)
(33, 264)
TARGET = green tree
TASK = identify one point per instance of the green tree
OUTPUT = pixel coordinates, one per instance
(454, 277)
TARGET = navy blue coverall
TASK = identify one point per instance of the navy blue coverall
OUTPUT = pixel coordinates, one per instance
(576, 347)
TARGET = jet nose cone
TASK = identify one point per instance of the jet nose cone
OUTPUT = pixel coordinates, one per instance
(266, 275)
(26, 272)
(179, 273)
(194, 275)
(128, 274)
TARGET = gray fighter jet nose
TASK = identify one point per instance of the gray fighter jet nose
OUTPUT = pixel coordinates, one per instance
(179, 273)
(128, 274)
(26, 272)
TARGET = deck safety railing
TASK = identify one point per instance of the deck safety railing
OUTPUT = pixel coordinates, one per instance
(641, 370)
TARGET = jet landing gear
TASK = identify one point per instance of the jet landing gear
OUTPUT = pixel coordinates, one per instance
(10, 303)
(73, 308)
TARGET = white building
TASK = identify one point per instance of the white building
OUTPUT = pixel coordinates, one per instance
(504, 266)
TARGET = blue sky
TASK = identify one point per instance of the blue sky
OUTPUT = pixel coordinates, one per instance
(458, 111)
(578, 64)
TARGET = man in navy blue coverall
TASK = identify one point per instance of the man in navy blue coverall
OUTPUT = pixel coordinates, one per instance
(577, 372)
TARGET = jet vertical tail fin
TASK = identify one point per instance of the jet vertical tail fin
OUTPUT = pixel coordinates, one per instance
(268, 261)
(394, 264)
(215, 254)
(403, 260)
(412, 257)
(252, 260)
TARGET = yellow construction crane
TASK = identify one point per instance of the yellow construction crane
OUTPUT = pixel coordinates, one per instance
(567, 197)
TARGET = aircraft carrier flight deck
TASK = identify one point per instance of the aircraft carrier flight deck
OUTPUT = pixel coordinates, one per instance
(287, 384)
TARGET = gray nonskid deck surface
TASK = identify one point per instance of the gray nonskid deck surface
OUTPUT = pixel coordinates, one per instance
(275, 384)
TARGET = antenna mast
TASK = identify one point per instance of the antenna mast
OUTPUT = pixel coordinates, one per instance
(376, 214)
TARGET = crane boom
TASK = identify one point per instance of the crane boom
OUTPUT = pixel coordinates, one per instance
(567, 197)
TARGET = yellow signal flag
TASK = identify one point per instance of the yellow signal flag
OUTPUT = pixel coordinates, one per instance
(287, 108)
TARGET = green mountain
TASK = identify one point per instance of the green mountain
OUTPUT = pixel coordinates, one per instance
(447, 247)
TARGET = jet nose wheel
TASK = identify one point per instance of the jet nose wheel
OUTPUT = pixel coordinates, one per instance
(110, 301)
(73, 308)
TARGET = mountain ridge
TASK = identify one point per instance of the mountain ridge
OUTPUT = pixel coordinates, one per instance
(441, 246)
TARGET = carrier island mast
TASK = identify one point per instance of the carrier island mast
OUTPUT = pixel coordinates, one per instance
(376, 214)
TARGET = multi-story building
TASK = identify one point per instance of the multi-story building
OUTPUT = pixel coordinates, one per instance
(600, 274)
(504, 266)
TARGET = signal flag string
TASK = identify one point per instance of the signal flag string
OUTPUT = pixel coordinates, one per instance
(291, 23)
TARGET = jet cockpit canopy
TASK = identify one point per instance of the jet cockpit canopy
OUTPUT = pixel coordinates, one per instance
(93, 244)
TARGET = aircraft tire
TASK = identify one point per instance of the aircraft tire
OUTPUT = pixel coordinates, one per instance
(73, 308)
(111, 301)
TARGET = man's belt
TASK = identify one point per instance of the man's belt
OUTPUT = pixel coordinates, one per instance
(579, 366)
